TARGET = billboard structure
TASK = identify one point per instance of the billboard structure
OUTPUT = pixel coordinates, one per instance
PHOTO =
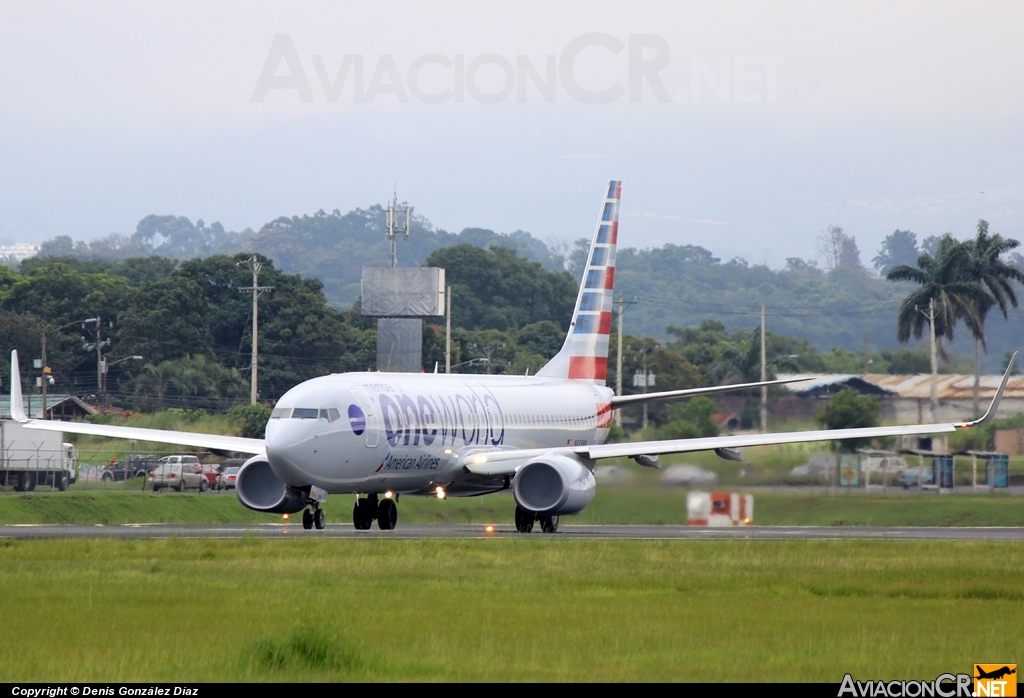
(400, 298)
(406, 292)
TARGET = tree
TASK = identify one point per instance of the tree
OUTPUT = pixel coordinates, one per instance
(60, 246)
(497, 289)
(848, 409)
(899, 247)
(947, 280)
(999, 278)
(839, 249)
(251, 420)
(690, 420)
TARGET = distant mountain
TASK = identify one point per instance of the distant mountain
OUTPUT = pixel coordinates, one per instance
(672, 285)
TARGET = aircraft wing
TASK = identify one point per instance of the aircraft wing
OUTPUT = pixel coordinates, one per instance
(214, 442)
(652, 448)
(507, 462)
(641, 398)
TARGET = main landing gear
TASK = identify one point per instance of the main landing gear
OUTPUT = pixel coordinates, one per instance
(525, 520)
(385, 511)
(314, 516)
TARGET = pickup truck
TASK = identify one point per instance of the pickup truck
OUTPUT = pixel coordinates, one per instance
(135, 466)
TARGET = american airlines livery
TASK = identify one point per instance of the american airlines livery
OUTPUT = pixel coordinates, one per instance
(381, 435)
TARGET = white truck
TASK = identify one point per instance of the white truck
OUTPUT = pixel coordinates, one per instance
(30, 457)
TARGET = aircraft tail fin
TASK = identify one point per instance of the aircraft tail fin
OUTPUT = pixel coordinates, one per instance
(584, 356)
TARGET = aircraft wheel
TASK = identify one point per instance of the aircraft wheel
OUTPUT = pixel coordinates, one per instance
(387, 515)
(362, 516)
(319, 519)
(549, 524)
(307, 519)
(524, 520)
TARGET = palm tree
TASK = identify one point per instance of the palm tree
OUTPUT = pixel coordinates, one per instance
(948, 285)
(998, 278)
(156, 379)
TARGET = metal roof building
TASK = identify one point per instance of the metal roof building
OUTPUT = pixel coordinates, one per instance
(62, 407)
(906, 397)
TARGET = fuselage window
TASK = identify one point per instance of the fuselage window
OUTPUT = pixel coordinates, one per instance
(305, 413)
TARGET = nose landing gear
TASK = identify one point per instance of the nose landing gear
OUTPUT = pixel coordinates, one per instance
(314, 516)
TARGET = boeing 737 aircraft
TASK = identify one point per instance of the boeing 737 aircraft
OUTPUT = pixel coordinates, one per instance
(381, 435)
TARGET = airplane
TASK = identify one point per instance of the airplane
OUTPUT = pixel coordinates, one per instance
(381, 435)
(995, 673)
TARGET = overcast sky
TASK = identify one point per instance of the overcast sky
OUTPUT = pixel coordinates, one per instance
(747, 128)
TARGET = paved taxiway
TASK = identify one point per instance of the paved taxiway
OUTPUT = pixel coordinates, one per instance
(508, 531)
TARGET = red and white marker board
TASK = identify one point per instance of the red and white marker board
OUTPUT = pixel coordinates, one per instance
(719, 509)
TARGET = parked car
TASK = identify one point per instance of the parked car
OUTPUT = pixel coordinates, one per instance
(226, 480)
(909, 477)
(186, 459)
(231, 463)
(180, 477)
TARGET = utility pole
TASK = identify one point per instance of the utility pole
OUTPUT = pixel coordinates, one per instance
(935, 359)
(621, 305)
(448, 331)
(643, 378)
(45, 368)
(255, 264)
(98, 345)
(764, 377)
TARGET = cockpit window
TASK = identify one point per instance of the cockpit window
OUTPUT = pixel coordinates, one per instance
(305, 413)
(335, 414)
(325, 416)
(281, 413)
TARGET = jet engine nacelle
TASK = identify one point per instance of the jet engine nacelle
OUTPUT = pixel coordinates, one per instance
(554, 485)
(258, 488)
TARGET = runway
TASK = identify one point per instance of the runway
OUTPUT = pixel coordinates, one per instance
(415, 532)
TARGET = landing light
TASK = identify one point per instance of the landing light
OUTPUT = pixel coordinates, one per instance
(480, 459)
(489, 529)
(286, 517)
(389, 494)
(447, 452)
(440, 493)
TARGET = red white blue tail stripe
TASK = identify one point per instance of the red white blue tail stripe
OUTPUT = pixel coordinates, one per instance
(585, 353)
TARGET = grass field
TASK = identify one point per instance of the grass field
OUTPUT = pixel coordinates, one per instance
(505, 609)
(613, 505)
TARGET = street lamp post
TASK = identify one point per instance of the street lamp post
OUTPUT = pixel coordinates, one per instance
(105, 368)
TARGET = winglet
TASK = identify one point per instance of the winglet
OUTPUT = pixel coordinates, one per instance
(17, 406)
(994, 405)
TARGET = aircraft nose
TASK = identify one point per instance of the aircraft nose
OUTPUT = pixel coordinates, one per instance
(291, 445)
